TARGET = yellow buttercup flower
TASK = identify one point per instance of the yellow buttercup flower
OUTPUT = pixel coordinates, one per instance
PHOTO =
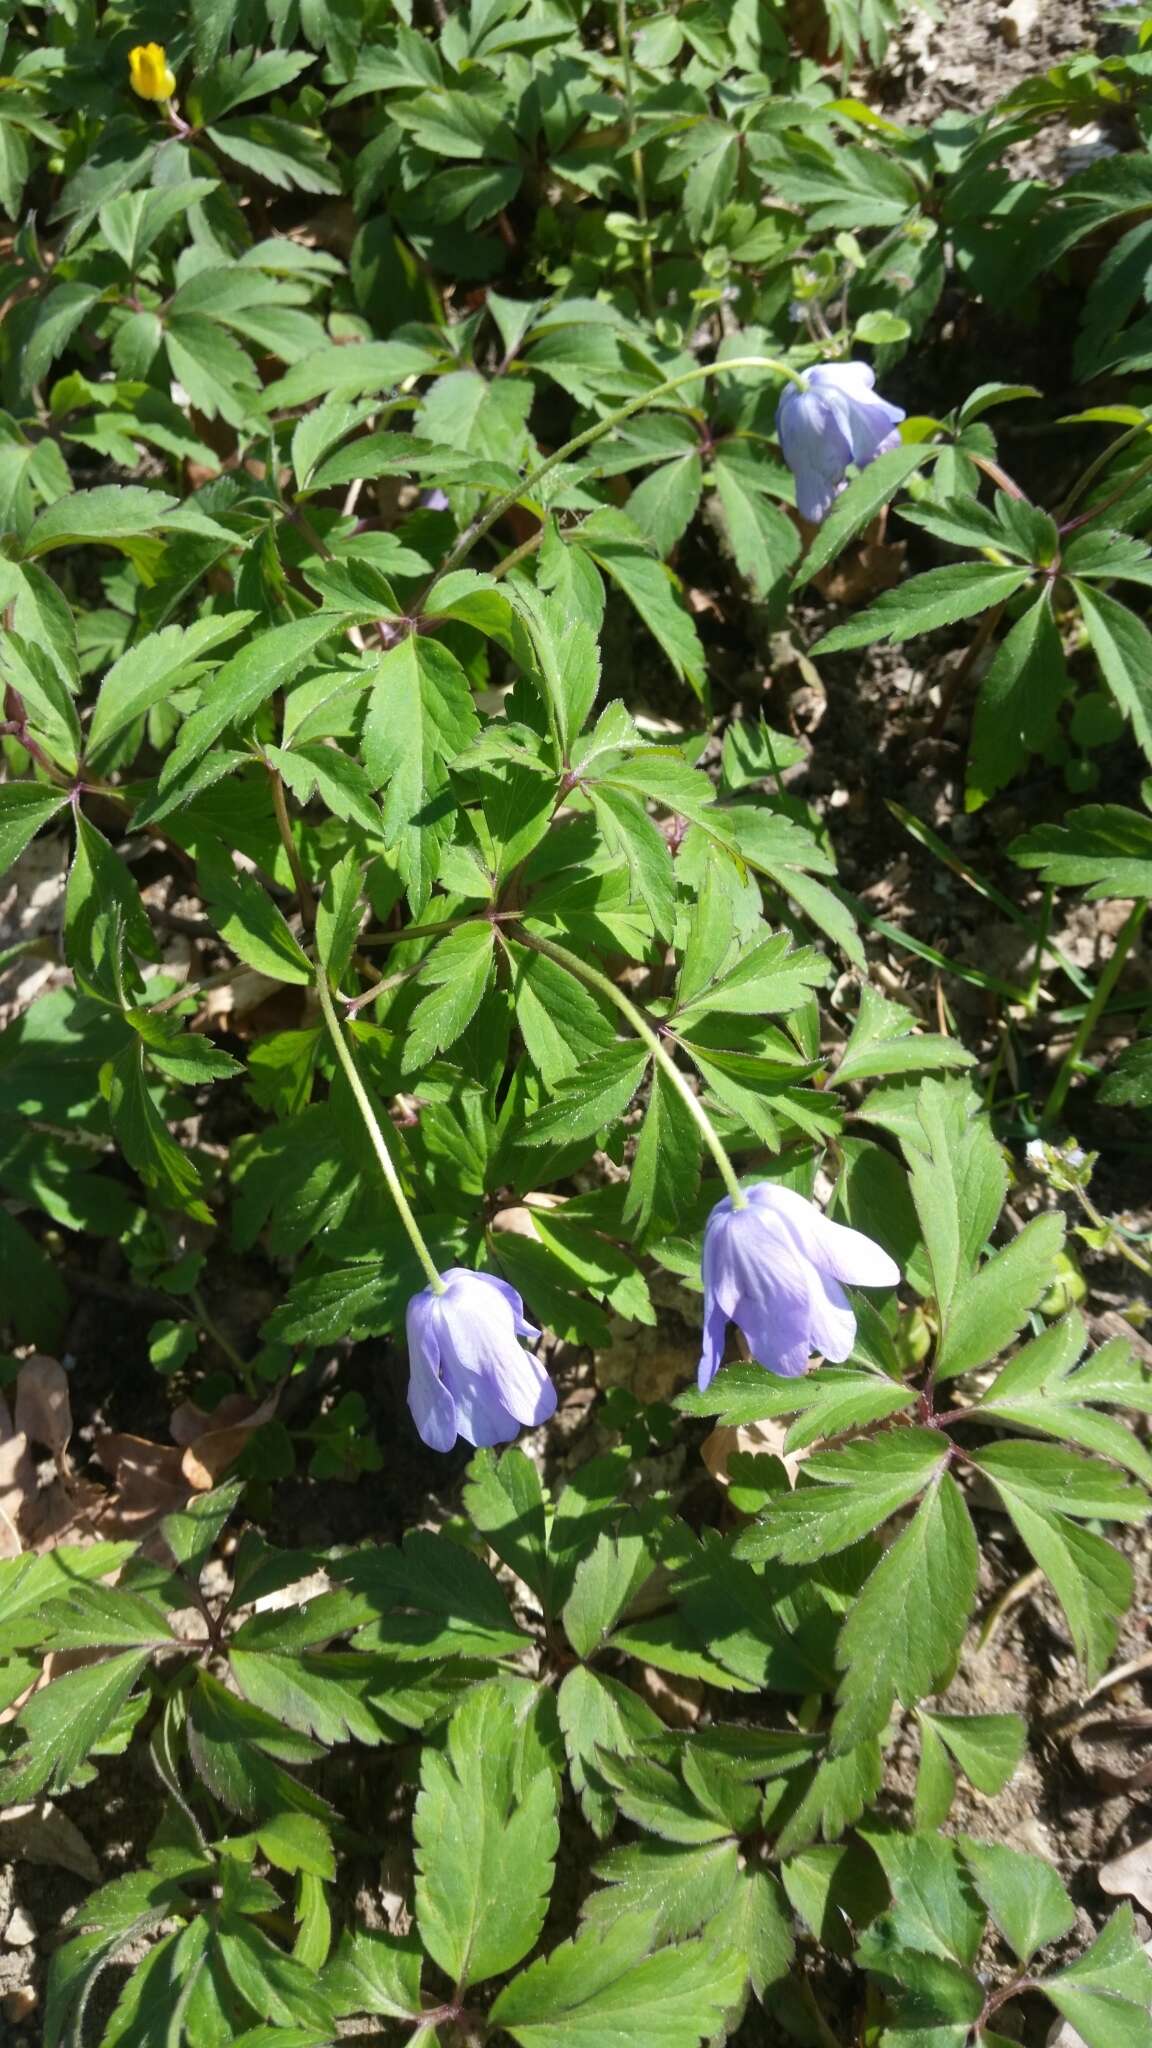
(149, 72)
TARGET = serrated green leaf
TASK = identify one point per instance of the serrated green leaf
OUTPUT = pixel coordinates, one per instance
(1025, 1896)
(902, 1637)
(606, 1987)
(484, 1855)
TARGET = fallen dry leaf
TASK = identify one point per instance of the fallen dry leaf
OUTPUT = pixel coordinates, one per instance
(40, 1833)
(725, 1442)
(1129, 1876)
(43, 1409)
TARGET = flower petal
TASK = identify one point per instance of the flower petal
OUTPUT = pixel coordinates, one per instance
(431, 1403)
(712, 1352)
(816, 448)
(833, 1248)
(832, 1325)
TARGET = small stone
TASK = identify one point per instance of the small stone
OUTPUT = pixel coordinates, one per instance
(20, 1930)
(1018, 20)
(19, 2005)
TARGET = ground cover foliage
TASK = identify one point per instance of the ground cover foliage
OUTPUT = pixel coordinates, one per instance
(388, 465)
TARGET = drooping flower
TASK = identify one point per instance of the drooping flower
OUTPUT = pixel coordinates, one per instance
(837, 419)
(469, 1374)
(149, 72)
(776, 1268)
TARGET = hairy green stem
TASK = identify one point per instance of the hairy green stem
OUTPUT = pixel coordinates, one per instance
(304, 893)
(1093, 1013)
(592, 978)
(372, 1126)
(579, 442)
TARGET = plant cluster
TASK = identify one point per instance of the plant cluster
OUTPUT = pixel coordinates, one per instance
(378, 382)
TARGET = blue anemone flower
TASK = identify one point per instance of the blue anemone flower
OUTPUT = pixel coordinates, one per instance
(469, 1374)
(775, 1268)
(837, 419)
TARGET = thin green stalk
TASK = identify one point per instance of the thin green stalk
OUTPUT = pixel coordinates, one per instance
(1095, 468)
(579, 442)
(1093, 1013)
(624, 40)
(592, 978)
(372, 1126)
(1119, 1242)
(304, 893)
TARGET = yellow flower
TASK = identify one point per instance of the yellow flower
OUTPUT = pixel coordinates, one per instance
(151, 77)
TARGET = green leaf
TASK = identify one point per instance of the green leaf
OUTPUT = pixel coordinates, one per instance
(144, 1138)
(1122, 645)
(504, 1498)
(24, 808)
(375, 1972)
(598, 1713)
(1091, 1580)
(248, 921)
(678, 1888)
(662, 506)
(772, 977)
(29, 1583)
(859, 503)
(1102, 847)
(152, 669)
(561, 1023)
(112, 515)
(762, 539)
(1106, 1993)
(666, 1164)
(902, 1637)
(939, 598)
(988, 1747)
(1040, 1391)
(935, 1909)
(460, 969)
(1019, 700)
(619, 549)
(958, 1180)
(420, 716)
(484, 1852)
(606, 1990)
(312, 768)
(64, 1720)
(1025, 1896)
(434, 1599)
(588, 1101)
(339, 915)
(844, 1495)
(987, 1311)
(605, 1582)
(1050, 1478)
(884, 1040)
(245, 682)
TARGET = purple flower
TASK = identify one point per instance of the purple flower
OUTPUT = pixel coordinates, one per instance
(469, 1375)
(775, 1268)
(837, 419)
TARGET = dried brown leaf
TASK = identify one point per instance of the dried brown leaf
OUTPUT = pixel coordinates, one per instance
(40, 1833)
(43, 1408)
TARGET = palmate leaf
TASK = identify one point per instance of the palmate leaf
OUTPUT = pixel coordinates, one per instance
(606, 1989)
(884, 1040)
(1104, 848)
(598, 1713)
(846, 1495)
(24, 808)
(1092, 1581)
(420, 716)
(958, 1181)
(484, 1849)
(1042, 1390)
(989, 1309)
